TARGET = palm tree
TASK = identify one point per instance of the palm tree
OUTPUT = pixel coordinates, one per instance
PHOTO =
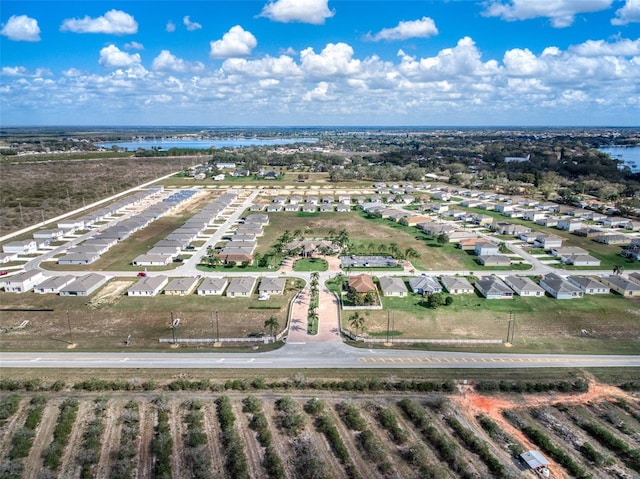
(356, 322)
(382, 248)
(297, 233)
(411, 253)
(332, 233)
(343, 237)
(312, 318)
(272, 323)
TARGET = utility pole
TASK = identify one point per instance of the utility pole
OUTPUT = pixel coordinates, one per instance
(217, 327)
(173, 328)
(513, 329)
(69, 326)
(393, 327)
(21, 215)
(388, 318)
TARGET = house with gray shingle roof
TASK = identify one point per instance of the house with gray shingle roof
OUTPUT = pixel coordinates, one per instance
(524, 286)
(457, 285)
(148, 286)
(560, 288)
(492, 287)
(589, 285)
(425, 285)
(272, 286)
(393, 286)
(241, 287)
(212, 286)
(181, 286)
(84, 285)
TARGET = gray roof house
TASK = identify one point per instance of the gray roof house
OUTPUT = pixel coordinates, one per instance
(494, 260)
(84, 285)
(212, 286)
(589, 285)
(54, 284)
(486, 248)
(524, 286)
(271, 286)
(78, 258)
(456, 285)
(393, 286)
(425, 285)
(22, 282)
(492, 287)
(559, 288)
(181, 286)
(152, 260)
(148, 286)
(241, 287)
(622, 285)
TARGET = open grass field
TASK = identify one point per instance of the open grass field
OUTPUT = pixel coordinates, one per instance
(310, 264)
(103, 321)
(367, 236)
(543, 325)
(304, 432)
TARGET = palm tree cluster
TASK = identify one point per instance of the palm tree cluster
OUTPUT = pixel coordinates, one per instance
(314, 302)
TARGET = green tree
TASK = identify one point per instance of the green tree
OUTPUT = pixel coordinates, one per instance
(436, 300)
(272, 324)
(442, 239)
(357, 322)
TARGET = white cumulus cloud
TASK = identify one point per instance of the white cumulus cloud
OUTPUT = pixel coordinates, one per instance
(171, 27)
(629, 13)
(237, 42)
(560, 12)
(113, 22)
(21, 71)
(21, 28)
(423, 28)
(282, 67)
(463, 60)
(113, 57)
(191, 26)
(596, 48)
(302, 11)
(334, 59)
(168, 62)
(319, 93)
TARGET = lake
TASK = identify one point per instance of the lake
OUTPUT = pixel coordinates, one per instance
(204, 144)
(629, 154)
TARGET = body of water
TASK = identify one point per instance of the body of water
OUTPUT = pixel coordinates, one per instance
(629, 154)
(204, 144)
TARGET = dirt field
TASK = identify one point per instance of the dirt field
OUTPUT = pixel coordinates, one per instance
(428, 448)
(105, 320)
(51, 188)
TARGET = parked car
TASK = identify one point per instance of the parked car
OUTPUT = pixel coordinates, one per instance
(142, 274)
(178, 260)
(4, 273)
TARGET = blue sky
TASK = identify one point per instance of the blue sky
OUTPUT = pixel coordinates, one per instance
(320, 62)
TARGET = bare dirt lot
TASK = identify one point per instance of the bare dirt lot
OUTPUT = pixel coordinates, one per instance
(433, 435)
(31, 191)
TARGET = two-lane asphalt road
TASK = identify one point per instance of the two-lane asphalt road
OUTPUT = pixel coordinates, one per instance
(310, 355)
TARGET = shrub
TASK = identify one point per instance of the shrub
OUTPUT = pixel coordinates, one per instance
(351, 416)
(162, 444)
(53, 453)
(8, 407)
(388, 420)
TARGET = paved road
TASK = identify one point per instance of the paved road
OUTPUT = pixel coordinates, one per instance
(311, 355)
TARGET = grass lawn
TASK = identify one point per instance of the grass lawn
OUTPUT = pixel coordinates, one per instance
(542, 324)
(310, 264)
(104, 325)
